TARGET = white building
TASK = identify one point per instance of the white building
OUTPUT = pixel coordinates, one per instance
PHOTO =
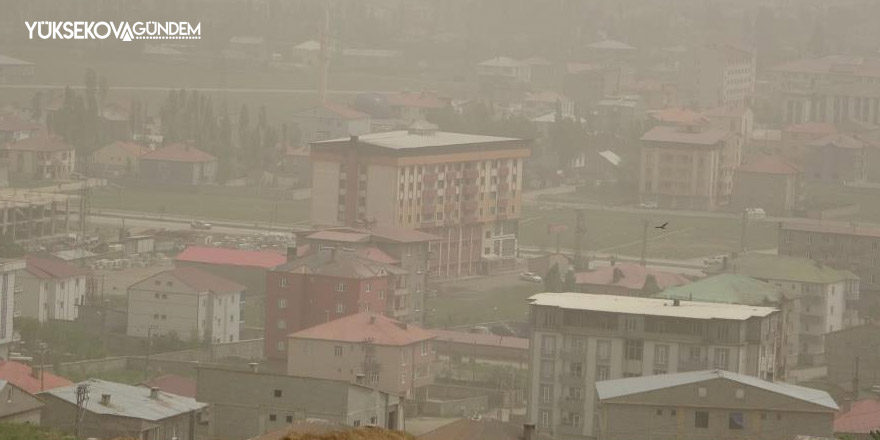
(51, 288)
(189, 302)
(716, 75)
(505, 67)
(578, 339)
(8, 289)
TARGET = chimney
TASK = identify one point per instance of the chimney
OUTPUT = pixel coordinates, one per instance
(291, 252)
(105, 399)
(528, 431)
(154, 393)
(676, 302)
(255, 367)
(616, 275)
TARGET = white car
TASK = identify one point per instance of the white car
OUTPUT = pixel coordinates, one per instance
(755, 213)
(648, 205)
(529, 276)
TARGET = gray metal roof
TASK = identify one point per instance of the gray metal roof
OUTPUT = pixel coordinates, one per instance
(610, 389)
(129, 401)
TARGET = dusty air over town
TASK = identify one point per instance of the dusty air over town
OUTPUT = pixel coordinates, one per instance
(439, 220)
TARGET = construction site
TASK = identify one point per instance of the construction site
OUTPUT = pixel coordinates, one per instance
(29, 216)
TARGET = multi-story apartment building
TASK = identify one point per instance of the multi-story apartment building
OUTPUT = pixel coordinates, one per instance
(194, 304)
(51, 288)
(8, 290)
(818, 299)
(365, 348)
(327, 285)
(717, 74)
(847, 246)
(711, 404)
(688, 166)
(463, 188)
(835, 88)
(408, 249)
(579, 339)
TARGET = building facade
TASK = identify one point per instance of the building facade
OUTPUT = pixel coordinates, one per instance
(465, 189)
(688, 166)
(18, 406)
(178, 164)
(711, 404)
(771, 183)
(580, 339)
(119, 158)
(246, 404)
(40, 157)
(50, 289)
(366, 348)
(193, 304)
(8, 291)
(717, 74)
(853, 357)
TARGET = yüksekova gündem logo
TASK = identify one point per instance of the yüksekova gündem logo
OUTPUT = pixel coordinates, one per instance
(122, 31)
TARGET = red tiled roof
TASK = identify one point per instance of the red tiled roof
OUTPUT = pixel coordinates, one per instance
(232, 257)
(379, 329)
(681, 135)
(341, 263)
(202, 281)
(21, 375)
(820, 128)
(40, 142)
(863, 417)
(833, 228)
(678, 115)
(481, 339)
(420, 100)
(770, 165)
(179, 152)
(48, 267)
(633, 276)
(375, 254)
(173, 384)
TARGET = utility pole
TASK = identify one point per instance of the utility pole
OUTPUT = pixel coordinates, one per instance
(43, 349)
(149, 350)
(82, 398)
(743, 237)
(644, 258)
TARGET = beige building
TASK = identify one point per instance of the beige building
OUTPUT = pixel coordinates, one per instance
(364, 348)
(51, 288)
(18, 406)
(579, 339)
(688, 166)
(711, 404)
(463, 188)
(189, 302)
(120, 157)
(717, 74)
(8, 289)
(40, 157)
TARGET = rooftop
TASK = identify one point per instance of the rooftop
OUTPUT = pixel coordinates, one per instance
(840, 64)
(128, 400)
(47, 266)
(869, 230)
(783, 267)
(232, 257)
(198, 280)
(132, 148)
(634, 305)
(686, 135)
(403, 139)
(770, 165)
(480, 339)
(630, 276)
(179, 152)
(678, 115)
(341, 236)
(173, 384)
(41, 142)
(728, 289)
(342, 264)
(375, 328)
(332, 110)
(502, 62)
(842, 141)
(862, 417)
(22, 376)
(611, 45)
(11, 122)
(610, 389)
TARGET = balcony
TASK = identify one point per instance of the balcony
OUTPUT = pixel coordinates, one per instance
(573, 356)
(572, 379)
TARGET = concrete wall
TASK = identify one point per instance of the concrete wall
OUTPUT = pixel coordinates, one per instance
(464, 407)
(325, 192)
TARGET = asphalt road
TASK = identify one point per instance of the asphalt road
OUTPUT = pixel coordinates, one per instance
(178, 223)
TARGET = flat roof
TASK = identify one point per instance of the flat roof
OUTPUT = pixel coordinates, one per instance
(403, 139)
(633, 305)
(842, 228)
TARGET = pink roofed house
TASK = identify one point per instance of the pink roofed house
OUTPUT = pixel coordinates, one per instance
(859, 420)
(178, 164)
(628, 279)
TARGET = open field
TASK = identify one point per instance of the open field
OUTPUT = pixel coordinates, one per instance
(497, 298)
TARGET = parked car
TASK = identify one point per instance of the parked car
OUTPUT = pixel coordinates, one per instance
(196, 224)
(648, 205)
(755, 213)
(712, 261)
(529, 276)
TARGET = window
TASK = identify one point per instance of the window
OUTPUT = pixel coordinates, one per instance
(546, 415)
(277, 393)
(425, 349)
(631, 324)
(282, 281)
(340, 309)
(272, 417)
(356, 423)
(402, 377)
(373, 420)
(374, 376)
(548, 345)
(282, 303)
(721, 358)
(546, 393)
(337, 351)
(603, 350)
(634, 350)
(340, 286)
(659, 412)
(740, 393)
(368, 287)
(279, 346)
(661, 354)
(701, 419)
(603, 372)
(289, 419)
(547, 368)
(735, 421)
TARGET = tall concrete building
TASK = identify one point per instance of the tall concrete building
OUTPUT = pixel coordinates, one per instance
(718, 75)
(8, 289)
(580, 339)
(463, 188)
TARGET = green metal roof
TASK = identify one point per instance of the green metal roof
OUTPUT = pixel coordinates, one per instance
(726, 288)
(781, 267)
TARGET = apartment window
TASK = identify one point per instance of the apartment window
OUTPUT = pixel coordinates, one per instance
(546, 393)
(381, 294)
(282, 324)
(549, 319)
(603, 350)
(701, 419)
(548, 345)
(722, 356)
(547, 368)
(368, 287)
(272, 417)
(279, 346)
(289, 419)
(701, 392)
(337, 351)
(282, 303)
(723, 332)
(374, 376)
(340, 286)
(546, 416)
(424, 348)
(277, 393)
(402, 377)
(282, 281)
(736, 421)
(340, 309)
(603, 372)
(634, 350)
(631, 324)
(661, 354)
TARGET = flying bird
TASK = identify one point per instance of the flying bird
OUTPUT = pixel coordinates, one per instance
(663, 226)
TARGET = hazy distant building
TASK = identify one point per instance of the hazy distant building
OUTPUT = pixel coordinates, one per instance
(837, 159)
(771, 183)
(13, 70)
(40, 157)
(330, 121)
(465, 189)
(178, 164)
(853, 357)
(710, 404)
(580, 339)
(718, 74)
(118, 158)
(504, 68)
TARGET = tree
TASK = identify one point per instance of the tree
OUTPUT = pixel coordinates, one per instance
(553, 280)
(20, 431)
(570, 282)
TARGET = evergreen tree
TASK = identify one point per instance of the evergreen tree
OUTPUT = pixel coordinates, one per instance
(570, 282)
(553, 280)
